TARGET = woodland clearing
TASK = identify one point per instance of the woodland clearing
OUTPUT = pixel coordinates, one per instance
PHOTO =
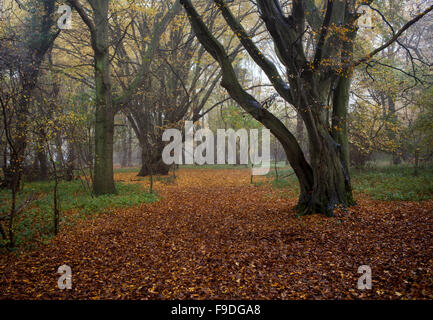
(213, 235)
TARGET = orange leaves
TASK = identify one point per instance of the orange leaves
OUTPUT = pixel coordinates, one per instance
(213, 235)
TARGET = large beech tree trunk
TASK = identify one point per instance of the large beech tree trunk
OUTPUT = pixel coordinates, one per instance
(106, 106)
(339, 118)
(103, 181)
(316, 83)
(325, 182)
(331, 185)
(158, 168)
(153, 160)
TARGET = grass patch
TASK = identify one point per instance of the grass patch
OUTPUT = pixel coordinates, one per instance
(127, 170)
(280, 183)
(35, 223)
(259, 183)
(394, 183)
(286, 179)
(214, 166)
(381, 183)
(280, 165)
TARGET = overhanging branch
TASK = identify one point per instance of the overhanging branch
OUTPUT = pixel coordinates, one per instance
(394, 38)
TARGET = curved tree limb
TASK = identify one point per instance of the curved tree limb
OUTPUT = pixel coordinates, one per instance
(394, 38)
(248, 102)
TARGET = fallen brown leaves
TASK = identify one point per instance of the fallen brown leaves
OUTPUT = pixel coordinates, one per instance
(214, 236)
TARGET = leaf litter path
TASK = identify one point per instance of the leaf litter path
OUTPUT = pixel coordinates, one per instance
(215, 236)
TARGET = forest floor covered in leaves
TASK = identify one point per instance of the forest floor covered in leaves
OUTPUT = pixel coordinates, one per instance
(214, 235)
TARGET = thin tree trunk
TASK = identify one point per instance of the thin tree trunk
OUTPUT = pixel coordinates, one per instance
(71, 162)
(129, 150)
(43, 165)
(396, 159)
(415, 173)
(55, 193)
(14, 191)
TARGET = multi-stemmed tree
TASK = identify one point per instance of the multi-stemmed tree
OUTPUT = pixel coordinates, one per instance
(316, 83)
(180, 82)
(107, 103)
